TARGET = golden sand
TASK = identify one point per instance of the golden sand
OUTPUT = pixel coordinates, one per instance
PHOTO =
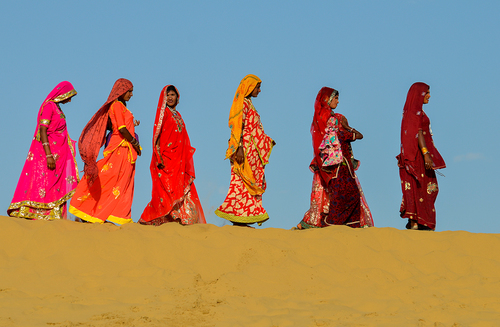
(63, 273)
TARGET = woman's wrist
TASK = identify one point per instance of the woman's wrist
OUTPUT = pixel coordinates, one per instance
(424, 150)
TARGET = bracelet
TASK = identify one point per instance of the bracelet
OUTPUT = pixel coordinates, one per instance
(46, 143)
(49, 155)
(424, 151)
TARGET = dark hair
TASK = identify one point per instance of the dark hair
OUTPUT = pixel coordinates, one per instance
(172, 88)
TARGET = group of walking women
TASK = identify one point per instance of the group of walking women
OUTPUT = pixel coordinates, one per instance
(104, 194)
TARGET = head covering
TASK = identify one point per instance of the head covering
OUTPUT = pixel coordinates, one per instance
(246, 87)
(322, 112)
(412, 120)
(159, 119)
(61, 92)
(93, 135)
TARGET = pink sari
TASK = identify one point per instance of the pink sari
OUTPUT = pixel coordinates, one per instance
(42, 193)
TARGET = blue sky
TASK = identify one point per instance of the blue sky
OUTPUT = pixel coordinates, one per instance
(372, 51)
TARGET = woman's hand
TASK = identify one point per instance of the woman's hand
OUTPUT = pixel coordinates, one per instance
(428, 161)
(359, 136)
(346, 126)
(51, 163)
(138, 149)
(137, 122)
(126, 135)
(239, 155)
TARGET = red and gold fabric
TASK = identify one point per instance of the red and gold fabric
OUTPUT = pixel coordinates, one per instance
(419, 185)
(174, 195)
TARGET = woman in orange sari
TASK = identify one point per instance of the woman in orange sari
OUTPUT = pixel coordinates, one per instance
(174, 196)
(249, 151)
(106, 191)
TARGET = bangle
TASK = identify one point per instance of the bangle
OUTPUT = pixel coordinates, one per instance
(424, 150)
(49, 155)
(46, 143)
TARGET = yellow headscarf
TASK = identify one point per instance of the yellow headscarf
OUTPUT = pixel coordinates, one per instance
(247, 85)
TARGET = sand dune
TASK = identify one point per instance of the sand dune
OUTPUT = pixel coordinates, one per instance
(64, 273)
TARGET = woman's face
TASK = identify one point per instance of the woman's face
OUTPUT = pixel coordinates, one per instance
(427, 96)
(128, 94)
(335, 102)
(66, 100)
(256, 91)
(171, 99)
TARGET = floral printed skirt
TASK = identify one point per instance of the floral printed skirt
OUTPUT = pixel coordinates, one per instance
(240, 206)
(110, 196)
(419, 196)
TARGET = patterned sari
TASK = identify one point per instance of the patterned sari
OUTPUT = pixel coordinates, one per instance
(419, 185)
(174, 196)
(109, 196)
(243, 203)
(337, 197)
(42, 193)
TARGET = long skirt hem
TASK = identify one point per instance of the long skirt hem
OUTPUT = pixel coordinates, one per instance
(82, 215)
(42, 211)
(259, 219)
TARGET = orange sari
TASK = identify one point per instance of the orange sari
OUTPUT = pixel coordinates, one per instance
(110, 196)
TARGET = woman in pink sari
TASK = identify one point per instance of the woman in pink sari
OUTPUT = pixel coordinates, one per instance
(174, 196)
(336, 197)
(50, 175)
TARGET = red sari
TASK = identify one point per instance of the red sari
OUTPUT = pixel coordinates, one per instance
(336, 197)
(419, 185)
(174, 196)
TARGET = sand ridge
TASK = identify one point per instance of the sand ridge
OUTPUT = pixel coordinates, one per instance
(63, 273)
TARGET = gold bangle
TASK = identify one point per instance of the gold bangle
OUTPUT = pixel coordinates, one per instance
(424, 150)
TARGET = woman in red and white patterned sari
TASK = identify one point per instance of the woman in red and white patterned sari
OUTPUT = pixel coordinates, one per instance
(249, 151)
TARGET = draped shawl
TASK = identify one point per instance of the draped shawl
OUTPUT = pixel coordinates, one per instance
(93, 135)
(412, 123)
(247, 85)
(322, 112)
(174, 181)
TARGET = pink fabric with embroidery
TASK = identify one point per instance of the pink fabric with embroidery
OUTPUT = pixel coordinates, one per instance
(330, 150)
(42, 193)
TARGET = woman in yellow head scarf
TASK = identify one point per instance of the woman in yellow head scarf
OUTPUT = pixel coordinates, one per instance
(249, 150)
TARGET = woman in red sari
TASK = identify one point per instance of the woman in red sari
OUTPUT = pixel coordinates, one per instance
(174, 196)
(336, 197)
(106, 191)
(417, 161)
(249, 151)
